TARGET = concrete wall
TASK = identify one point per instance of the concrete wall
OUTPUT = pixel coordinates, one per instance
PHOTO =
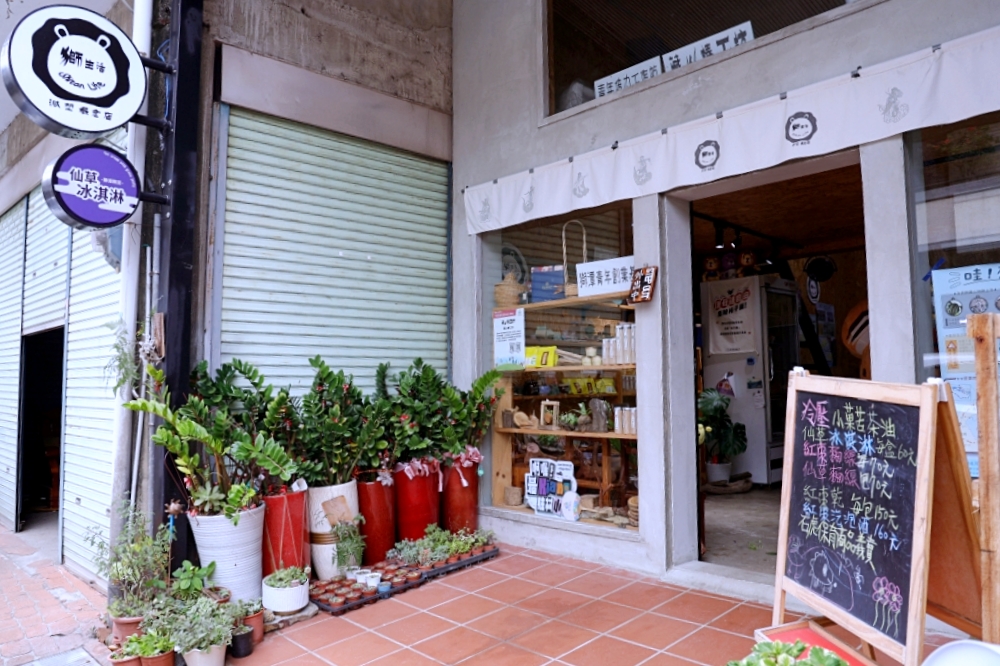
(398, 47)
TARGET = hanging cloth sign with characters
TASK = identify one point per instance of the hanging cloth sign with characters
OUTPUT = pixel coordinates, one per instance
(73, 72)
(734, 307)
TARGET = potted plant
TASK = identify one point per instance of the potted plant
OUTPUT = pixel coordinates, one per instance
(376, 489)
(254, 618)
(222, 465)
(136, 567)
(468, 419)
(724, 440)
(339, 430)
(190, 582)
(154, 648)
(350, 543)
(242, 645)
(286, 591)
(780, 654)
(202, 632)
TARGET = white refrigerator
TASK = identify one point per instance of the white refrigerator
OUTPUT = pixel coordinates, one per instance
(750, 342)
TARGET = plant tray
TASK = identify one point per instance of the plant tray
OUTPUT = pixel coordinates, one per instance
(427, 575)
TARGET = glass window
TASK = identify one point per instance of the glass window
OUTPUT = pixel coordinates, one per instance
(955, 189)
(601, 47)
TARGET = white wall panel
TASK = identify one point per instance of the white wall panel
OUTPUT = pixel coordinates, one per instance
(12, 225)
(46, 262)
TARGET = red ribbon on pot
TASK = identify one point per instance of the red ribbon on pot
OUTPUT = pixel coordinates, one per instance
(470, 457)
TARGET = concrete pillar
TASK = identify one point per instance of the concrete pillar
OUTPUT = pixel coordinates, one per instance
(888, 246)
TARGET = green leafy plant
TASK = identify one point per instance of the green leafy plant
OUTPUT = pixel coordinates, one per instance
(787, 654)
(201, 624)
(190, 581)
(288, 577)
(418, 411)
(350, 542)
(470, 413)
(724, 440)
(137, 565)
(148, 644)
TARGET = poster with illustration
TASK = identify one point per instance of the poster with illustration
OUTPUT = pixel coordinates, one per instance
(734, 316)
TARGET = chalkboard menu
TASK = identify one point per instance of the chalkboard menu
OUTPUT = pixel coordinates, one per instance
(850, 516)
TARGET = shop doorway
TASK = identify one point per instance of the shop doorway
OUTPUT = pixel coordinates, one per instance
(779, 268)
(40, 440)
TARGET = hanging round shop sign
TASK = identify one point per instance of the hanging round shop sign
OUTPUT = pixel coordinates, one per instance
(73, 72)
(91, 186)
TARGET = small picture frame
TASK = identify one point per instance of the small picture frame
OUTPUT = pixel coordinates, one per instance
(549, 417)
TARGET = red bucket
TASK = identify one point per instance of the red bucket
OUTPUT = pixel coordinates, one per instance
(417, 504)
(286, 532)
(460, 502)
(378, 505)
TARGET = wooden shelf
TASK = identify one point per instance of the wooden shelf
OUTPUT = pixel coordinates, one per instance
(571, 302)
(567, 396)
(579, 368)
(565, 433)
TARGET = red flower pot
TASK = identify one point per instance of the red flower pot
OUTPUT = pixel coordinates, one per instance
(377, 503)
(417, 504)
(286, 532)
(460, 502)
(256, 624)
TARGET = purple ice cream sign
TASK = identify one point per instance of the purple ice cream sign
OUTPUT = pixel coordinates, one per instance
(91, 186)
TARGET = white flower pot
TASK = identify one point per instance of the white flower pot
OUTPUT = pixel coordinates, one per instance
(718, 472)
(235, 549)
(285, 600)
(324, 555)
(215, 656)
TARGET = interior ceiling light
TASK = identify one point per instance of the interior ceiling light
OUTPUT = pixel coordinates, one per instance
(720, 237)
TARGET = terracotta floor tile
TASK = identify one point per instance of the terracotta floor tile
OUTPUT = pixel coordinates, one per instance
(595, 584)
(555, 638)
(644, 596)
(455, 645)
(273, 650)
(506, 654)
(358, 650)
(415, 628)
(428, 596)
(301, 660)
(666, 659)
(580, 564)
(623, 573)
(404, 658)
(553, 602)
(507, 622)
(475, 579)
(514, 565)
(511, 590)
(379, 613)
(711, 646)
(606, 651)
(601, 616)
(655, 631)
(553, 574)
(466, 608)
(319, 634)
(695, 607)
(744, 620)
(507, 548)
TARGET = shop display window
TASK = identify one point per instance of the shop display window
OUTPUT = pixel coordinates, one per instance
(954, 180)
(567, 419)
(601, 47)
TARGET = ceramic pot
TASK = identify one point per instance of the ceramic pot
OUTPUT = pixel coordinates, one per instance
(123, 627)
(214, 656)
(256, 622)
(165, 659)
(718, 472)
(324, 550)
(242, 645)
(235, 549)
(285, 600)
(378, 505)
(417, 504)
(286, 532)
(460, 501)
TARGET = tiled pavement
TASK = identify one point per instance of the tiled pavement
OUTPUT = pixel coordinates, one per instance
(44, 609)
(527, 608)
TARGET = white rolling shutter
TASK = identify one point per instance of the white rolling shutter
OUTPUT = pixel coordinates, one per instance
(332, 246)
(45, 265)
(11, 273)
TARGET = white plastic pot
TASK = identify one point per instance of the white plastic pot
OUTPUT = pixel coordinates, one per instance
(285, 600)
(324, 555)
(718, 472)
(235, 549)
(215, 656)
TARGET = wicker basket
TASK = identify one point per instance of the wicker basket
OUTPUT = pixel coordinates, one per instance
(571, 287)
(507, 294)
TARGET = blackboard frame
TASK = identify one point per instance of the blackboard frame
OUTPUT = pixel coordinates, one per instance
(925, 397)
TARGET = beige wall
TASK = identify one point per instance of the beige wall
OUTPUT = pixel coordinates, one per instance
(398, 47)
